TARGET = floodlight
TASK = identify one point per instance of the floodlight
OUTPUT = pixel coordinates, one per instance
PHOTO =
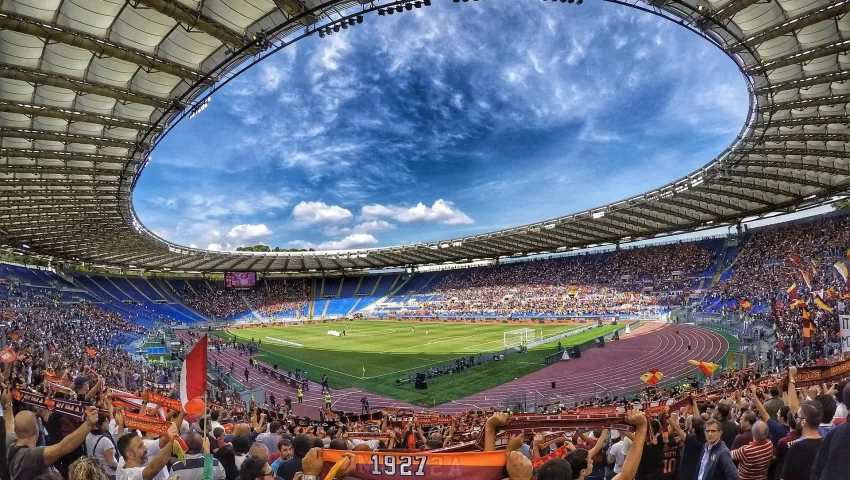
(417, 4)
(399, 9)
(359, 18)
(381, 12)
(344, 26)
(408, 6)
(336, 28)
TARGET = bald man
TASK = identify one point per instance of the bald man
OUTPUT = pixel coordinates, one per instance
(25, 460)
(754, 458)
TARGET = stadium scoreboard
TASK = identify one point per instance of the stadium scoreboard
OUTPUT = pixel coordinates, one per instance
(240, 279)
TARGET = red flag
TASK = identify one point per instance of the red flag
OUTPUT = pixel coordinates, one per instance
(796, 258)
(780, 344)
(193, 378)
(7, 356)
(747, 305)
(792, 292)
(807, 328)
(91, 352)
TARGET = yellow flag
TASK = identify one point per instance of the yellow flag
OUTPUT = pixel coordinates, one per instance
(823, 306)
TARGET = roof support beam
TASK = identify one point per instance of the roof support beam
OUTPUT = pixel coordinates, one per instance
(553, 240)
(730, 8)
(67, 138)
(16, 169)
(57, 182)
(194, 19)
(61, 155)
(394, 259)
(54, 33)
(807, 103)
(591, 228)
(711, 201)
(690, 206)
(37, 77)
(33, 110)
(580, 237)
(656, 207)
(631, 212)
(429, 254)
(797, 152)
(726, 193)
(780, 178)
(525, 242)
(798, 166)
(615, 222)
(809, 17)
(470, 246)
(839, 76)
(193, 261)
(803, 56)
(803, 121)
(417, 256)
(771, 190)
(806, 137)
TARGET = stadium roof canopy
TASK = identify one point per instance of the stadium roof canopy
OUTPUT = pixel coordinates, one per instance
(88, 87)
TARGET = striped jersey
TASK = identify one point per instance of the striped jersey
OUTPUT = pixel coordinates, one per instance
(753, 460)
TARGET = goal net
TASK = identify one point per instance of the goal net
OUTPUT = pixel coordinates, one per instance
(520, 337)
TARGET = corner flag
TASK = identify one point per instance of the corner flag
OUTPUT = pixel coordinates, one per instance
(193, 377)
(364, 372)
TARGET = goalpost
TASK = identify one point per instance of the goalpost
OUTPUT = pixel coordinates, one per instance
(520, 337)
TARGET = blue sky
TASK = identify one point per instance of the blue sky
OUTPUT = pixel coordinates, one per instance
(442, 122)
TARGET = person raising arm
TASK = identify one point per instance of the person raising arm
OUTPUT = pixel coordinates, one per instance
(135, 454)
(630, 466)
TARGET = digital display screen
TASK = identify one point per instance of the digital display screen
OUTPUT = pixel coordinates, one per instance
(240, 279)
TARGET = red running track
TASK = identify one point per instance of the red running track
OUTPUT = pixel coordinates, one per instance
(617, 367)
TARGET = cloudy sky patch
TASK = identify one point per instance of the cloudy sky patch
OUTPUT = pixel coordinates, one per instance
(441, 122)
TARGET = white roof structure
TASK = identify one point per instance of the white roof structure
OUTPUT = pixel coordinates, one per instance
(88, 87)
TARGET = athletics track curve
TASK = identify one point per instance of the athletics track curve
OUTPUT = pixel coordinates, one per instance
(616, 367)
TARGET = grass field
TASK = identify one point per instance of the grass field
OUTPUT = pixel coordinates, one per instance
(391, 350)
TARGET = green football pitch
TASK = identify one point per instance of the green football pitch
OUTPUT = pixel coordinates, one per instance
(391, 350)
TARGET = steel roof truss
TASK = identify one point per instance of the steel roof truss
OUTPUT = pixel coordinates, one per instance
(53, 79)
(96, 45)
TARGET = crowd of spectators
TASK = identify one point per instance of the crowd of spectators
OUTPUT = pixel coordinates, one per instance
(745, 426)
(646, 280)
(268, 297)
(771, 262)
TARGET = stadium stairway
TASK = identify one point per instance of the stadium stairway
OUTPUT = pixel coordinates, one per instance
(251, 308)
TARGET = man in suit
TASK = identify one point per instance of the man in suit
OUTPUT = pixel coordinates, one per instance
(715, 462)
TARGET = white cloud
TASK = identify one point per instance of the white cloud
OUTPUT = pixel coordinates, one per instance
(374, 226)
(215, 247)
(334, 231)
(442, 211)
(248, 232)
(270, 76)
(319, 212)
(370, 226)
(355, 240)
